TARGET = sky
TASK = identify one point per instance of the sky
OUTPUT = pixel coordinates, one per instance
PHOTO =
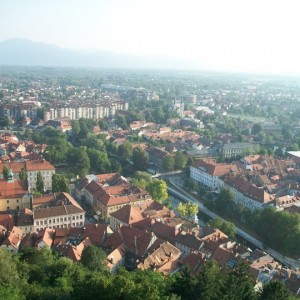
(233, 35)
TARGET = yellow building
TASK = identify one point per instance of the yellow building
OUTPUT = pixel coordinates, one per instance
(14, 194)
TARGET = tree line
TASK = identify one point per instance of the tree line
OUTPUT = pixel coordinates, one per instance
(279, 230)
(41, 274)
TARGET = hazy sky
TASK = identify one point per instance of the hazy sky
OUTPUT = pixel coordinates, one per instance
(242, 35)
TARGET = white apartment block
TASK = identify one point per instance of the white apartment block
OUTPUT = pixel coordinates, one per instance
(96, 111)
(62, 211)
(45, 168)
(206, 179)
(52, 218)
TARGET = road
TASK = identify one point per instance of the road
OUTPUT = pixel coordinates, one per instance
(294, 264)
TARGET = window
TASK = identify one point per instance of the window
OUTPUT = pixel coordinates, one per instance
(17, 200)
(80, 217)
(61, 219)
(18, 207)
(42, 223)
(65, 219)
(73, 217)
(7, 201)
(49, 221)
(37, 223)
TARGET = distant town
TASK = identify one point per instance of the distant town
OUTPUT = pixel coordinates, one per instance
(158, 171)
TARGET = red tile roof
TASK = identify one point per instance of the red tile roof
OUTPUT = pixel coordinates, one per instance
(39, 165)
(17, 188)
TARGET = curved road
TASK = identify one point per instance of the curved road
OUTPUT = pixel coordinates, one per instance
(186, 196)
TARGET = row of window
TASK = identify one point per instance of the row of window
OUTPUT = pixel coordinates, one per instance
(8, 201)
(77, 224)
(57, 220)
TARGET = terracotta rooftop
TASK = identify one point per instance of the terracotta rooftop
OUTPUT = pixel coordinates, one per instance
(39, 165)
(17, 188)
(164, 259)
(14, 238)
(215, 169)
(128, 214)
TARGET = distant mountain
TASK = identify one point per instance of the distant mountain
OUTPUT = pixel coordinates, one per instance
(27, 53)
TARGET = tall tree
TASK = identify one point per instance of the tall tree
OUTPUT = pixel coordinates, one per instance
(180, 160)
(168, 163)
(275, 290)
(158, 190)
(5, 171)
(139, 158)
(23, 174)
(39, 183)
(125, 150)
(182, 209)
(60, 183)
(93, 258)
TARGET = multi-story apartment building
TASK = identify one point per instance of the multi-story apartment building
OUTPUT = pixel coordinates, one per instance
(208, 173)
(18, 110)
(95, 110)
(234, 149)
(59, 210)
(33, 167)
(248, 194)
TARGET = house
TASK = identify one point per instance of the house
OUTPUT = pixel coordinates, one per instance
(107, 199)
(44, 238)
(194, 262)
(74, 252)
(59, 211)
(116, 258)
(164, 259)
(24, 220)
(7, 221)
(126, 215)
(136, 213)
(137, 242)
(102, 179)
(188, 243)
(13, 240)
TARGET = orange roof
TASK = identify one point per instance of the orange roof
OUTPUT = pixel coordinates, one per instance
(7, 221)
(38, 165)
(96, 232)
(46, 235)
(213, 168)
(17, 188)
(14, 238)
(128, 214)
(16, 167)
